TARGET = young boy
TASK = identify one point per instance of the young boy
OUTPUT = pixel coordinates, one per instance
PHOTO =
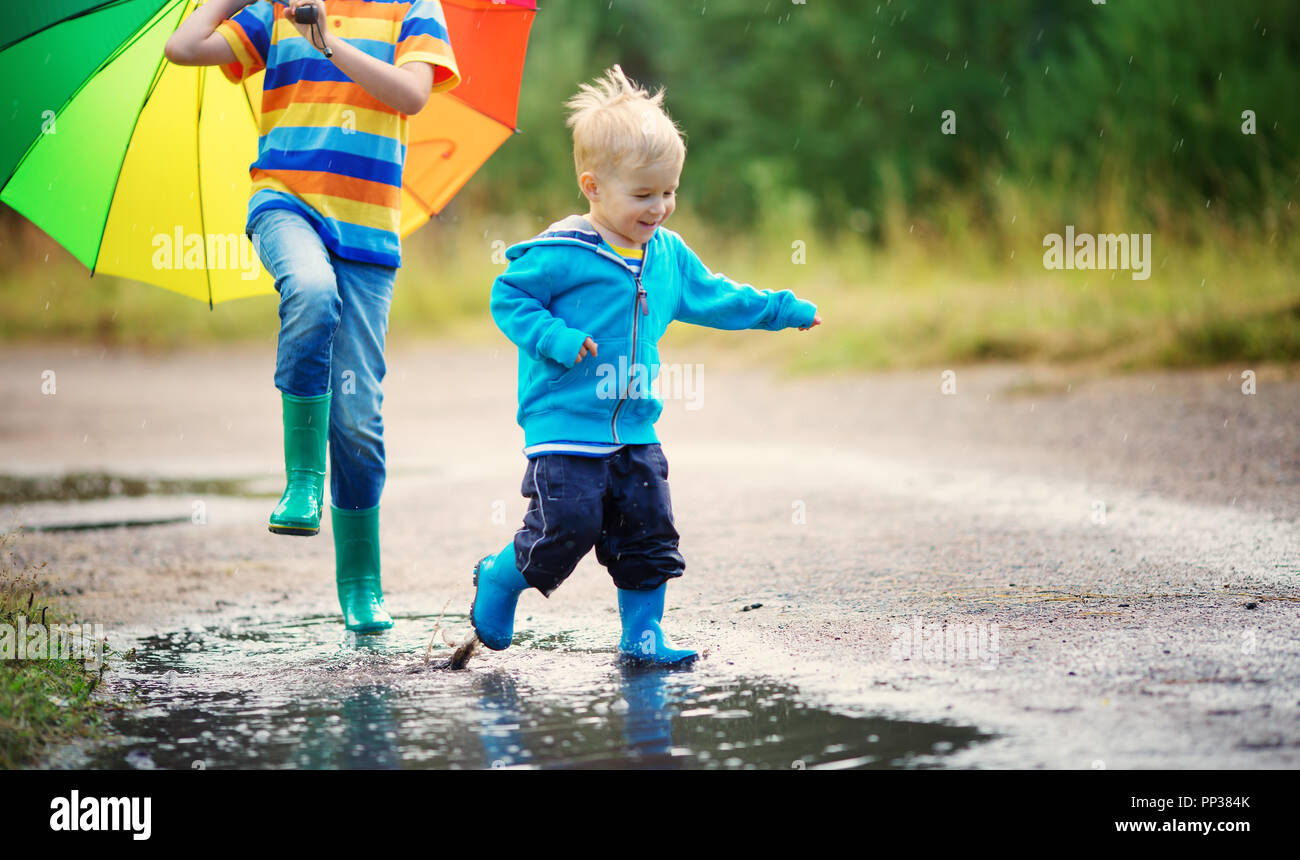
(324, 217)
(606, 285)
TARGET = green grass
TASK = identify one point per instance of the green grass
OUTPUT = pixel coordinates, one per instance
(41, 701)
(967, 290)
(1200, 309)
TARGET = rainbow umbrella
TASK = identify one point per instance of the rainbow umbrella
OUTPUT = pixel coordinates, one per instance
(140, 168)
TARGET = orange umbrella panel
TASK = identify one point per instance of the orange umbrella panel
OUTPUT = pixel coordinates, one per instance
(459, 129)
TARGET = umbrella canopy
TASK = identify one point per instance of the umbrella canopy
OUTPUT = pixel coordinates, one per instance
(140, 168)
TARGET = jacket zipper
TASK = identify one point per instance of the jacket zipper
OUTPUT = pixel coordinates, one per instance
(638, 304)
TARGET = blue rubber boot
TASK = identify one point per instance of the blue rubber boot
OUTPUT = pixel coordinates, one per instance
(643, 640)
(497, 586)
(356, 569)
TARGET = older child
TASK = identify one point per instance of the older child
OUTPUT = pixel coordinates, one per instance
(606, 285)
(324, 215)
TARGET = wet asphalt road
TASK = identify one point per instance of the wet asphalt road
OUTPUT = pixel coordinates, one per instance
(1121, 557)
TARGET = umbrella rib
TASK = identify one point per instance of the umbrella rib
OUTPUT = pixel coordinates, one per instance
(248, 100)
(421, 201)
(478, 110)
(198, 180)
(425, 203)
(92, 10)
(117, 52)
(153, 85)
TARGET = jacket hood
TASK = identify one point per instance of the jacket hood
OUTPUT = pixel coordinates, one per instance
(574, 230)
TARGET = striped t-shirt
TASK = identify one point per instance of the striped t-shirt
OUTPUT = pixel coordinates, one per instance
(327, 148)
(632, 257)
(573, 449)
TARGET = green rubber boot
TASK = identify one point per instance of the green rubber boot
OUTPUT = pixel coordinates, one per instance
(356, 568)
(306, 432)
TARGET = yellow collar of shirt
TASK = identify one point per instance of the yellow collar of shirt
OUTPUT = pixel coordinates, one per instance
(633, 253)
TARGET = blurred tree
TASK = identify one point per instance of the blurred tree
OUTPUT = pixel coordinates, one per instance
(842, 103)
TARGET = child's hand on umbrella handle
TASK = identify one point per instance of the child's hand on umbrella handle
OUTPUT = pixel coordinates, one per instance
(306, 29)
(817, 320)
(588, 346)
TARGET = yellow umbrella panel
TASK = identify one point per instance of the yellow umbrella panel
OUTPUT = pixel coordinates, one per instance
(145, 173)
(178, 217)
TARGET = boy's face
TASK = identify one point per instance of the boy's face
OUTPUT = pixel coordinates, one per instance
(631, 202)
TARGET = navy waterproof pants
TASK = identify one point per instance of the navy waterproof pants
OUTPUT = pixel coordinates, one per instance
(618, 503)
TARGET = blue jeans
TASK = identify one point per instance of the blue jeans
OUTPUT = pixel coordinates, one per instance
(333, 324)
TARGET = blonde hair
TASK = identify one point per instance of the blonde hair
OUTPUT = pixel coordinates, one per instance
(617, 121)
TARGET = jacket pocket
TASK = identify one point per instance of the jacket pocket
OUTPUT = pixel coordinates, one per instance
(591, 385)
(643, 393)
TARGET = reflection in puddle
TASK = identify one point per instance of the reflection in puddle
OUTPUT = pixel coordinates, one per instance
(309, 695)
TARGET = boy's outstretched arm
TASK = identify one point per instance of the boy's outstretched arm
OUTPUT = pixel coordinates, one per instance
(196, 41)
(716, 301)
(520, 296)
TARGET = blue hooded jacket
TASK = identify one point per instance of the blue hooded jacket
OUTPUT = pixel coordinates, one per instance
(566, 284)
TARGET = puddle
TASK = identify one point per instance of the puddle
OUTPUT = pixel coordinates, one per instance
(81, 486)
(105, 524)
(91, 501)
(307, 694)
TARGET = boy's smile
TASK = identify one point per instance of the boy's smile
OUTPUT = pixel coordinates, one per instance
(629, 203)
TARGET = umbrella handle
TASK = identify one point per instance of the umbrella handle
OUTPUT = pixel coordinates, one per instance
(307, 15)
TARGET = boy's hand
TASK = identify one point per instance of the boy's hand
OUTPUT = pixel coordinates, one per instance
(817, 320)
(306, 29)
(588, 346)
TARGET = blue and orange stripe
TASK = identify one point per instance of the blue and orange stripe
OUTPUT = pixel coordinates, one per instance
(328, 148)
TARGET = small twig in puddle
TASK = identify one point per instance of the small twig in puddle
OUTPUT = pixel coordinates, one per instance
(464, 651)
(437, 628)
